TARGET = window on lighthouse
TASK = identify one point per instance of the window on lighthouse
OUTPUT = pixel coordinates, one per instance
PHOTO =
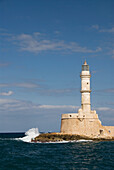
(85, 68)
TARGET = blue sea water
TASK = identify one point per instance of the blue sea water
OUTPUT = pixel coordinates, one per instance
(16, 154)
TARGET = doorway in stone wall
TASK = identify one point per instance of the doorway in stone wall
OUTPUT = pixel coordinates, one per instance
(101, 132)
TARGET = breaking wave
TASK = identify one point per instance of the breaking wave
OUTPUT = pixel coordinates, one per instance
(30, 134)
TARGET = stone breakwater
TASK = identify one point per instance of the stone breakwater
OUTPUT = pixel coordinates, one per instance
(58, 137)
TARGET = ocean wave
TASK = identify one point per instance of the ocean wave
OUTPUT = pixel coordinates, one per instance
(30, 134)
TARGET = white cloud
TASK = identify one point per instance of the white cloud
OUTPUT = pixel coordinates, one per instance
(40, 88)
(14, 105)
(58, 92)
(107, 30)
(110, 90)
(107, 45)
(111, 50)
(4, 85)
(37, 33)
(5, 101)
(111, 30)
(23, 85)
(37, 43)
(95, 27)
(112, 53)
(17, 105)
(26, 85)
(58, 107)
(104, 109)
(9, 93)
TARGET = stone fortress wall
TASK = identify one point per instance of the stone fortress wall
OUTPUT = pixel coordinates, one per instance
(86, 121)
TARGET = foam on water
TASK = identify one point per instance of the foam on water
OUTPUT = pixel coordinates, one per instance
(53, 142)
(73, 141)
(30, 134)
(84, 140)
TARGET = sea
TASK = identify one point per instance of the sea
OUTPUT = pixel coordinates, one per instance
(17, 152)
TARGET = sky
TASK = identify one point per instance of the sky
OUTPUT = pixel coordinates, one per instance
(43, 45)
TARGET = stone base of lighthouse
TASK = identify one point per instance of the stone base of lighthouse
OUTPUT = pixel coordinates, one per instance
(85, 124)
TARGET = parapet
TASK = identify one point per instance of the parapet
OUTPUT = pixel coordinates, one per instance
(80, 114)
(69, 115)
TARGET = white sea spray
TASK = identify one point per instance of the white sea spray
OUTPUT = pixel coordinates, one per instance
(30, 134)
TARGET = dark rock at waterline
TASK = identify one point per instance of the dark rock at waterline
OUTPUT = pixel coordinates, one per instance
(57, 137)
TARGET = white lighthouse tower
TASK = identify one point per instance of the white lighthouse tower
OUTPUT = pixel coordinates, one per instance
(85, 90)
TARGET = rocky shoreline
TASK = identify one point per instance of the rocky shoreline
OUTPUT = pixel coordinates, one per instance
(59, 137)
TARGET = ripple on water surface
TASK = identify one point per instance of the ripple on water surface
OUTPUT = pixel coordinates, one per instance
(77, 155)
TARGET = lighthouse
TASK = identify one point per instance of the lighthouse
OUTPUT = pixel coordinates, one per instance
(86, 121)
(85, 89)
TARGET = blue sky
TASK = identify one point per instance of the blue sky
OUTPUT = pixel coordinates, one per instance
(42, 47)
